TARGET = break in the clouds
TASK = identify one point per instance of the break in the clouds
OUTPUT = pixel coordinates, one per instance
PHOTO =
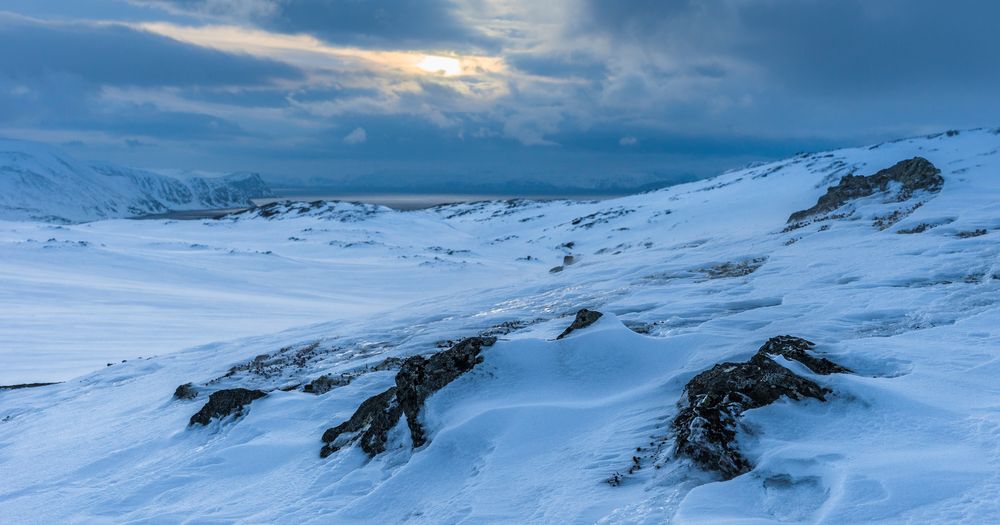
(413, 93)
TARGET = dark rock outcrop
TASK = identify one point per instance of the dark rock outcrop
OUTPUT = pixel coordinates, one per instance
(715, 399)
(971, 233)
(224, 403)
(325, 383)
(797, 349)
(584, 318)
(370, 425)
(185, 391)
(911, 175)
(418, 378)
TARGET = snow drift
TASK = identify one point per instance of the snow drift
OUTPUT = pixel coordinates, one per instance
(883, 407)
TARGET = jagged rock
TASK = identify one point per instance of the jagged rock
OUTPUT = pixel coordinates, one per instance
(584, 318)
(417, 379)
(370, 425)
(185, 391)
(420, 377)
(715, 399)
(796, 349)
(912, 175)
(224, 403)
(568, 260)
(325, 383)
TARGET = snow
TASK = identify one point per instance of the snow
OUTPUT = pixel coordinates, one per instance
(532, 434)
(42, 183)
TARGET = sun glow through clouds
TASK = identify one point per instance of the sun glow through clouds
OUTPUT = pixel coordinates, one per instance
(446, 66)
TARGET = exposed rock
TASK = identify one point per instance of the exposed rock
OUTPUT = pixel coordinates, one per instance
(370, 425)
(920, 228)
(912, 175)
(970, 233)
(734, 269)
(224, 403)
(185, 391)
(25, 385)
(796, 349)
(420, 377)
(556, 269)
(715, 399)
(568, 260)
(325, 383)
(584, 318)
(389, 363)
(417, 379)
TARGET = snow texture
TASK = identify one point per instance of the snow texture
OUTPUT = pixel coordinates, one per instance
(542, 430)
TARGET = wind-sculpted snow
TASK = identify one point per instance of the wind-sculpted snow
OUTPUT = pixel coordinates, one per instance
(541, 430)
(41, 183)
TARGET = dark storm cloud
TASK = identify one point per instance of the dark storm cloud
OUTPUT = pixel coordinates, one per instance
(121, 56)
(847, 47)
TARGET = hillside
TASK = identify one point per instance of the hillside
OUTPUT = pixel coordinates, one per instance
(444, 387)
(42, 183)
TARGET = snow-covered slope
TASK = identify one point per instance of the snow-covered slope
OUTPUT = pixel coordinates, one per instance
(42, 183)
(899, 286)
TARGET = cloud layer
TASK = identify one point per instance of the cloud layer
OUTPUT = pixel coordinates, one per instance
(631, 91)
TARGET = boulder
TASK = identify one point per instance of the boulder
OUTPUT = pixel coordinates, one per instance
(910, 176)
(584, 318)
(705, 427)
(418, 378)
(224, 403)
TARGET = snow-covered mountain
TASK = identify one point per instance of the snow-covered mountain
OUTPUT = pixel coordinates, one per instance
(807, 341)
(42, 183)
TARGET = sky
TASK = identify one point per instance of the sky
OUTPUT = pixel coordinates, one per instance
(488, 94)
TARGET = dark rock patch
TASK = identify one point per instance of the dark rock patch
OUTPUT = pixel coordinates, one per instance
(920, 228)
(185, 391)
(224, 403)
(370, 426)
(555, 269)
(584, 318)
(25, 385)
(715, 399)
(971, 233)
(418, 378)
(797, 349)
(916, 174)
(326, 383)
(734, 269)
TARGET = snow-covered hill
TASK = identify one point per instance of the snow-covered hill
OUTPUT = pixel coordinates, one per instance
(42, 183)
(892, 417)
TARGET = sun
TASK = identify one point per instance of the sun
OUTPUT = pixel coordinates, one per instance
(446, 66)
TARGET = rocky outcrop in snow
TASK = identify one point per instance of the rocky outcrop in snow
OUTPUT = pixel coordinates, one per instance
(417, 379)
(716, 398)
(225, 403)
(905, 178)
(584, 318)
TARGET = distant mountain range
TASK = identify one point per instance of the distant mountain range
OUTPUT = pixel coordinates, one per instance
(43, 183)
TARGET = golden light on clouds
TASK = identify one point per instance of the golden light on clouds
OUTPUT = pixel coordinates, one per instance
(446, 66)
(311, 53)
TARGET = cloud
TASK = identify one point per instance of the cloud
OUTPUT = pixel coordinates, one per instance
(393, 24)
(115, 54)
(628, 140)
(358, 136)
